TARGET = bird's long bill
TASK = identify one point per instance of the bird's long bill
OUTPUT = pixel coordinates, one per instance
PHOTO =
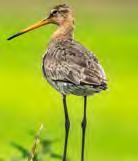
(38, 24)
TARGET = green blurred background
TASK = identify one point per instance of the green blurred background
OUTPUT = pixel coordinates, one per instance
(110, 29)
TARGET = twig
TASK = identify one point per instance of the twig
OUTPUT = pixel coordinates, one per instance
(36, 142)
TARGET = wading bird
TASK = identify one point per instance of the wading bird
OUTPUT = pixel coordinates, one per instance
(68, 66)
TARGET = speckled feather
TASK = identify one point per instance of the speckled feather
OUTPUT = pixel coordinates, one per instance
(72, 69)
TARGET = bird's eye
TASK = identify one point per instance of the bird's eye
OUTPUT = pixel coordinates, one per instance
(54, 12)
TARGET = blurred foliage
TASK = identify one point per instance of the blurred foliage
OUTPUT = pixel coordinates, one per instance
(37, 155)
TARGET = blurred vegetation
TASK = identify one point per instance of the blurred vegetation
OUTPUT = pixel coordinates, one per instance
(26, 99)
(40, 148)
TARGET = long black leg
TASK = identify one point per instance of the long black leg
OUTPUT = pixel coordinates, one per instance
(84, 123)
(67, 127)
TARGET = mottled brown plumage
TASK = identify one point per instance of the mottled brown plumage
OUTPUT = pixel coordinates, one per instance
(68, 66)
(68, 61)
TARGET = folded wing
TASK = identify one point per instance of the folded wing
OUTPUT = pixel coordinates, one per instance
(70, 61)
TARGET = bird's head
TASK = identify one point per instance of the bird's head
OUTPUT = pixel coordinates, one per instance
(59, 15)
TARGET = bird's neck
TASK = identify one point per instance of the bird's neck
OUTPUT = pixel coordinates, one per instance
(64, 31)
